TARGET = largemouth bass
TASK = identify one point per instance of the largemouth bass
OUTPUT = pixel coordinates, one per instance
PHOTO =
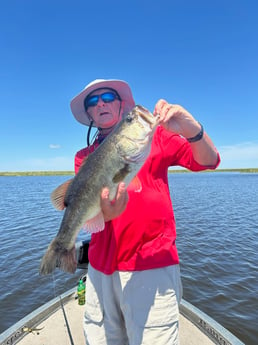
(117, 159)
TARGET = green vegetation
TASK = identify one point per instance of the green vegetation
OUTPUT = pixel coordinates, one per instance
(61, 173)
(249, 170)
(36, 173)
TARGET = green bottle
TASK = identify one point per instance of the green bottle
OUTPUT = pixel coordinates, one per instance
(81, 292)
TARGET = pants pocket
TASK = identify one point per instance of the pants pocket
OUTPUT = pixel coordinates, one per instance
(151, 299)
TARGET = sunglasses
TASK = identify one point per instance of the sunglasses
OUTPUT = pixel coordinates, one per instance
(106, 97)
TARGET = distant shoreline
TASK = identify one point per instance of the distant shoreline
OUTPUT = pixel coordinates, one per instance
(36, 173)
(62, 173)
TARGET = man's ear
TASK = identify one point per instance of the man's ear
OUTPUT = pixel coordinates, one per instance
(88, 115)
(122, 106)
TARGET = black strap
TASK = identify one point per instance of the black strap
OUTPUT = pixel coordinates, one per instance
(197, 137)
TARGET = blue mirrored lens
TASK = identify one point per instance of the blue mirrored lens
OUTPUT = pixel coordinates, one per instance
(108, 97)
(92, 101)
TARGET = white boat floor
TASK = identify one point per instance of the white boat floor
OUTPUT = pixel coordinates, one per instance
(54, 330)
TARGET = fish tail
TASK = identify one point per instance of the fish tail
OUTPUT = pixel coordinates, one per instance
(57, 256)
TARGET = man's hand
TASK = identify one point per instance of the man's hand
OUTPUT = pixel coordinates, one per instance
(113, 208)
(177, 119)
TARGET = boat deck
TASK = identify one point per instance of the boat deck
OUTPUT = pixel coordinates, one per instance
(47, 325)
(55, 331)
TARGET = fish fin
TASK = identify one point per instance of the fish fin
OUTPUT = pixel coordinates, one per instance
(95, 224)
(58, 195)
(57, 256)
(136, 184)
(122, 173)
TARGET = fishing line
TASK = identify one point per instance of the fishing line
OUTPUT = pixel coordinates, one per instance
(54, 284)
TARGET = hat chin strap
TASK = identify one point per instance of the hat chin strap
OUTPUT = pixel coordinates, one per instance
(88, 132)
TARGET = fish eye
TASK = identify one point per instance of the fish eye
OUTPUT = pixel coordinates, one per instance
(129, 118)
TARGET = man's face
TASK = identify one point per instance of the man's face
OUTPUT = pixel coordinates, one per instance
(105, 109)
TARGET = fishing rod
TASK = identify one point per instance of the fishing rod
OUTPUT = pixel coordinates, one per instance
(62, 306)
(66, 322)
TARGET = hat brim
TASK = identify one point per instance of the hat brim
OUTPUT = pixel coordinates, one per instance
(122, 88)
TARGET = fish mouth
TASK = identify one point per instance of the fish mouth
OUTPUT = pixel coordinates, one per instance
(147, 116)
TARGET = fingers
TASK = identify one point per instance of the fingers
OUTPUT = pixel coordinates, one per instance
(173, 117)
(165, 110)
(112, 209)
(176, 119)
(158, 107)
(121, 196)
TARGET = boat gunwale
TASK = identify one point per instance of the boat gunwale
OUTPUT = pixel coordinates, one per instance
(210, 327)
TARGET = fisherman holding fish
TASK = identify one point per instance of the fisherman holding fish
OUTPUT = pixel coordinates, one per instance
(133, 286)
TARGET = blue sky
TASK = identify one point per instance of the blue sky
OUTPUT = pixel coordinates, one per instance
(200, 54)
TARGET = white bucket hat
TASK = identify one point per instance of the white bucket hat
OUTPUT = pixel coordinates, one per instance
(120, 86)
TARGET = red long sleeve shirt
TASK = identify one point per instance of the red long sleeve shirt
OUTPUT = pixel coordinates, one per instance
(144, 235)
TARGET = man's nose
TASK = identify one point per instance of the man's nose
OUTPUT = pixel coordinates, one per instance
(100, 102)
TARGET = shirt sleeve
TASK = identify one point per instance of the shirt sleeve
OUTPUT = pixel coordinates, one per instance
(82, 154)
(178, 152)
(79, 158)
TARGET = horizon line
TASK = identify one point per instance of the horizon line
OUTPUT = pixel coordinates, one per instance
(71, 172)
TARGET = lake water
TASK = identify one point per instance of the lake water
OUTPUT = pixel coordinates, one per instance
(217, 226)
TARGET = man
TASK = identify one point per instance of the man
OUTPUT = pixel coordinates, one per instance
(133, 289)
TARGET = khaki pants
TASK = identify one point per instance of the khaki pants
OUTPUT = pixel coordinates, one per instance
(133, 308)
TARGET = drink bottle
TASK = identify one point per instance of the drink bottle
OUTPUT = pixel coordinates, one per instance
(81, 292)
